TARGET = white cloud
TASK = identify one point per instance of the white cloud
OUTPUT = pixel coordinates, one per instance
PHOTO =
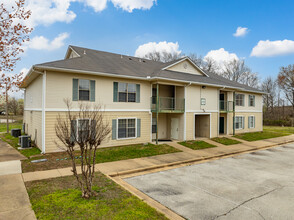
(97, 5)
(47, 12)
(273, 48)
(241, 32)
(161, 47)
(220, 57)
(130, 5)
(42, 43)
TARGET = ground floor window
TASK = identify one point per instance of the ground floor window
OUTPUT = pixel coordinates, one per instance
(251, 122)
(126, 128)
(239, 122)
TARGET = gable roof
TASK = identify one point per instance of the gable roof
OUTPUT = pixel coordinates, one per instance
(91, 61)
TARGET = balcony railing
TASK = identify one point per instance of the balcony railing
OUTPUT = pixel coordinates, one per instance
(168, 104)
(226, 106)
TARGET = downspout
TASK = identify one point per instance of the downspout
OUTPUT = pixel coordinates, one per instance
(234, 100)
(157, 109)
(185, 135)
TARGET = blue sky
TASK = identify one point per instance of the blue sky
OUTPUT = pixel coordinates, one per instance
(198, 26)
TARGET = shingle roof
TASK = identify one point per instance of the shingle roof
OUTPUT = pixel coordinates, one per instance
(121, 65)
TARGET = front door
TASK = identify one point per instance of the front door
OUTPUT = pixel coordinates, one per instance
(174, 128)
(221, 125)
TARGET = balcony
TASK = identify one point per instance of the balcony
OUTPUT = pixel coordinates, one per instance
(168, 105)
(226, 106)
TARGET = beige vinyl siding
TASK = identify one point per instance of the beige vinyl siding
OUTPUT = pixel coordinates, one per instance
(246, 107)
(144, 138)
(258, 122)
(33, 94)
(195, 93)
(59, 87)
(185, 67)
(33, 126)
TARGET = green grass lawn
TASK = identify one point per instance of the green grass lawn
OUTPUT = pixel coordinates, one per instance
(225, 141)
(13, 141)
(271, 132)
(59, 160)
(60, 198)
(16, 124)
(196, 145)
(278, 129)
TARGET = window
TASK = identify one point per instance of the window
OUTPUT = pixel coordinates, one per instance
(239, 122)
(239, 100)
(126, 128)
(126, 92)
(252, 100)
(83, 128)
(203, 101)
(251, 122)
(154, 127)
(84, 89)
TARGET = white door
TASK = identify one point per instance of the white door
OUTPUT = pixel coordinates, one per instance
(174, 128)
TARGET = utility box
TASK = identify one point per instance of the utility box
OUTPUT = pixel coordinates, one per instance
(15, 132)
(25, 141)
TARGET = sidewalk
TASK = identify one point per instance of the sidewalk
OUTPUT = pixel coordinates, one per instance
(14, 199)
(187, 156)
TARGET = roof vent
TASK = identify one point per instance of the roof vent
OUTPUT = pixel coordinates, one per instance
(121, 56)
(140, 60)
(130, 58)
(144, 61)
(85, 52)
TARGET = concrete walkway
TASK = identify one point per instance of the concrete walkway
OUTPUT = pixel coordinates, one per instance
(14, 199)
(8, 153)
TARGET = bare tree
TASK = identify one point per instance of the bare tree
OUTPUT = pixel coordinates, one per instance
(84, 130)
(162, 56)
(286, 82)
(13, 106)
(237, 71)
(269, 86)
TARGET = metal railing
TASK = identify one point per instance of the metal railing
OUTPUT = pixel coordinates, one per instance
(168, 104)
(226, 106)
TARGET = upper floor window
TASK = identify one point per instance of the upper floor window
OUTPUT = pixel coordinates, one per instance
(240, 99)
(84, 89)
(126, 92)
(251, 100)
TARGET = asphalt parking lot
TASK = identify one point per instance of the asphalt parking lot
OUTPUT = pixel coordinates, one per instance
(258, 185)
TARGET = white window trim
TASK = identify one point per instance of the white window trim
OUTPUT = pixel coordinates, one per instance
(253, 121)
(253, 101)
(77, 131)
(243, 103)
(127, 92)
(127, 138)
(84, 90)
(243, 122)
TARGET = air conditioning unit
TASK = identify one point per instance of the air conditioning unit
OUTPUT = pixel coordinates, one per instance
(25, 141)
(15, 132)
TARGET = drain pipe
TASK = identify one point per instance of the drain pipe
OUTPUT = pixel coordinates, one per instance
(185, 109)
